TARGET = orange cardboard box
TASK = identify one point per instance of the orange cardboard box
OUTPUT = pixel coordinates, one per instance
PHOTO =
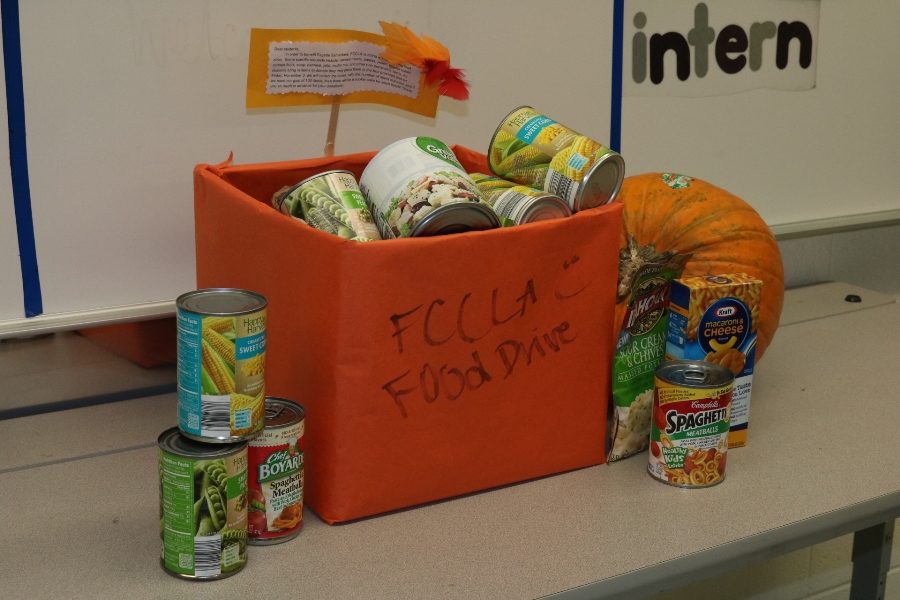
(428, 367)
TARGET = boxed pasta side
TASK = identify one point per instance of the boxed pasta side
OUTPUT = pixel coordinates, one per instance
(429, 367)
(714, 318)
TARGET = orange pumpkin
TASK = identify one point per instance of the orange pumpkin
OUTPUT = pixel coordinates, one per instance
(665, 212)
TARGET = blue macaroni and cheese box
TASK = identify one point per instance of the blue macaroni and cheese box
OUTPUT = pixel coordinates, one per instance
(713, 318)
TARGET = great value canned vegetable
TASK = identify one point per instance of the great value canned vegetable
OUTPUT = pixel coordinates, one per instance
(275, 486)
(221, 364)
(416, 187)
(534, 150)
(518, 204)
(330, 201)
(202, 507)
(689, 430)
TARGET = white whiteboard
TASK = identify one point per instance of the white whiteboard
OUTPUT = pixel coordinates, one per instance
(123, 98)
(795, 156)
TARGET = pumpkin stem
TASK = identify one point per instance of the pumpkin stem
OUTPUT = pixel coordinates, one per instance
(634, 257)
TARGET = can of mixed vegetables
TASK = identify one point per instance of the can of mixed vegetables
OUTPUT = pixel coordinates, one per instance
(416, 187)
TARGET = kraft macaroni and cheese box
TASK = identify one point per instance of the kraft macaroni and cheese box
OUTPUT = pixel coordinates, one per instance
(713, 318)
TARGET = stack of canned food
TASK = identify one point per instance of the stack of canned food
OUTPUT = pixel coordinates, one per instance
(231, 472)
(540, 169)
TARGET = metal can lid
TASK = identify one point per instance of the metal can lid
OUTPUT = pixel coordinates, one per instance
(281, 412)
(172, 441)
(601, 183)
(456, 218)
(544, 207)
(694, 373)
(221, 302)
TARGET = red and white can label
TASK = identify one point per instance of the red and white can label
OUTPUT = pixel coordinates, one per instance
(275, 483)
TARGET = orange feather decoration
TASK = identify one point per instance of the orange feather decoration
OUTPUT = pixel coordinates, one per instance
(403, 47)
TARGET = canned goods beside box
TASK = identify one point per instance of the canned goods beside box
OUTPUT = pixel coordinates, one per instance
(202, 507)
(689, 427)
(275, 485)
(221, 364)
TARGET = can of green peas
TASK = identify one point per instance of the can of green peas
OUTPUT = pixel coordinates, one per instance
(332, 202)
(202, 507)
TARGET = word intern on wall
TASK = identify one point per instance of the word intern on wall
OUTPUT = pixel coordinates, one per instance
(678, 48)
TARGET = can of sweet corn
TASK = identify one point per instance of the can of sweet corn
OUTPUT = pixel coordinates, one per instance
(221, 364)
(275, 481)
(332, 202)
(689, 423)
(534, 150)
(416, 187)
(202, 507)
(519, 204)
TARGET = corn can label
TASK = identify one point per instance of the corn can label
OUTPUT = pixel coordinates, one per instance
(534, 150)
(689, 432)
(203, 510)
(275, 483)
(221, 375)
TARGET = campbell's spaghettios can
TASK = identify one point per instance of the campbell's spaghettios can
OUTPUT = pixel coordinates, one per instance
(332, 202)
(416, 187)
(221, 364)
(202, 507)
(534, 150)
(519, 204)
(690, 420)
(275, 481)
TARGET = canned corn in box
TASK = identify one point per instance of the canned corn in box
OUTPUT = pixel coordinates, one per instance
(535, 150)
(714, 318)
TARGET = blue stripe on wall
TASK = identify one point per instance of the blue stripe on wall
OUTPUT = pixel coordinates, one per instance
(615, 117)
(18, 157)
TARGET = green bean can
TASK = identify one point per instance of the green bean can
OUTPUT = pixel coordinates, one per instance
(332, 202)
(202, 507)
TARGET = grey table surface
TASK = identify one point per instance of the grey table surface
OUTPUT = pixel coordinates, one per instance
(78, 495)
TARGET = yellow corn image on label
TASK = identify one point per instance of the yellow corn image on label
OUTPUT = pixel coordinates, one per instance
(221, 374)
(534, 150)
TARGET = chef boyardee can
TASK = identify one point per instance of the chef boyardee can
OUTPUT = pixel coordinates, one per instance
(690, 421)
(275, 481)
(221, 364)
(416, 187)
(518, 204)
(330, 201)
(202, 507)
(534, 150)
